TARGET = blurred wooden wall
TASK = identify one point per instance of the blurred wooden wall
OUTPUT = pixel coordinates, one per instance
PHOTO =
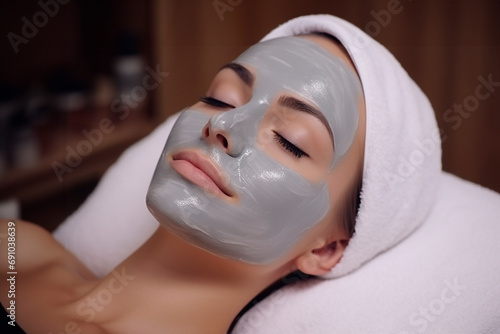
(444, 45)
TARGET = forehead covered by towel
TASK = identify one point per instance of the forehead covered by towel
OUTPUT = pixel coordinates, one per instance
(402, 150)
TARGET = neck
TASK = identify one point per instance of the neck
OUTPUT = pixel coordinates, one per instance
(181, 288)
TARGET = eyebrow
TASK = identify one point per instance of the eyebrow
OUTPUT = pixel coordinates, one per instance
(243, 73)
(295, 104)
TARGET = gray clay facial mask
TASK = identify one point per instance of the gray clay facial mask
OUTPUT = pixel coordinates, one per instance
(275, 205)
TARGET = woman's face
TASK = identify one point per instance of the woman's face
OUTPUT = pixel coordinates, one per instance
(247, 171)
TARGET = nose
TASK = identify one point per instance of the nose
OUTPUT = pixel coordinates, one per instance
(235, 130)
(215, 133)
(215, 137)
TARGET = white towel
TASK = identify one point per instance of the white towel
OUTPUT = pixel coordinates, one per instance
(443, 278)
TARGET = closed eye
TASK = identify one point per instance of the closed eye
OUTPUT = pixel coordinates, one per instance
(297, 152)
(215, 103)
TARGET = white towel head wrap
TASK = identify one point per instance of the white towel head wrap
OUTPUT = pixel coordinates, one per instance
(402, 150)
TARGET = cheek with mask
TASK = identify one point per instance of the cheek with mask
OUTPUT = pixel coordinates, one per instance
(259, 208)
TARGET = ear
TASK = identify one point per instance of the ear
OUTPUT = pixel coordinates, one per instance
(321, 260)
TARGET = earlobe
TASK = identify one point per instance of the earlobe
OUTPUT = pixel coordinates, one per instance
(320, 261)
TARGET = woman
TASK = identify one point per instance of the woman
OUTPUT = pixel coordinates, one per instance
(258, 179)
(440, 279)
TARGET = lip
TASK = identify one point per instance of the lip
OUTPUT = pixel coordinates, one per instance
(200, 170)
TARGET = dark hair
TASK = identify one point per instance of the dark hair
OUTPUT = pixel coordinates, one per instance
(351, 206)
(327, 35)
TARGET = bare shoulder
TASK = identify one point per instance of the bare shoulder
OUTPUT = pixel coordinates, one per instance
(27, 246)
(44, 279)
